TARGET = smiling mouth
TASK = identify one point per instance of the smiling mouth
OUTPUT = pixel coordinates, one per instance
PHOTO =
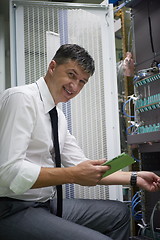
(67, 91)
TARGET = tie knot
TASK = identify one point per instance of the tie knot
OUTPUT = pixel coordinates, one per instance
(53, 112)
(53, 109)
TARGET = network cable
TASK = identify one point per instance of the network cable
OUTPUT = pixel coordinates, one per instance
(137, 160)
(132, 97)
(124, 106)
(128, 128)
(134, 125)
(136, 200)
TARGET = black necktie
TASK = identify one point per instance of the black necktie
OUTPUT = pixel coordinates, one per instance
(54, 122)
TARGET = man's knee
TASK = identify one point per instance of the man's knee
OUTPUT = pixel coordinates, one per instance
(123, 211)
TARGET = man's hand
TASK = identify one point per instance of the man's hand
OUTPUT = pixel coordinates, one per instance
(89, 173)
(148, 181)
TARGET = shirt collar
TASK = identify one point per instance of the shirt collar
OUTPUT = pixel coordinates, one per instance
(45, 95)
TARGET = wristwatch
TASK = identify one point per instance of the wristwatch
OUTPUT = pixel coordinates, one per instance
(133, 180)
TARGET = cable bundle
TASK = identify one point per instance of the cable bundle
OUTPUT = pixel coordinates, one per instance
(136, 206)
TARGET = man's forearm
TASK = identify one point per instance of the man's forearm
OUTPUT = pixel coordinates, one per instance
(87, 173)
(53, 176)
(117, 178)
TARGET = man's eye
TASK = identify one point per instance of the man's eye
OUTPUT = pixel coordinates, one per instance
(83, 81)
(71, 75)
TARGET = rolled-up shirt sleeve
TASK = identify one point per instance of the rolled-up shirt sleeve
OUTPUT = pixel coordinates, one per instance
(17, 117)
(19, 177)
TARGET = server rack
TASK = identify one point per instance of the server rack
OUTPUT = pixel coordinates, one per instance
(146, 102)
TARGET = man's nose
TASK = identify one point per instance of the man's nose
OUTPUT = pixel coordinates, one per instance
(75, 85)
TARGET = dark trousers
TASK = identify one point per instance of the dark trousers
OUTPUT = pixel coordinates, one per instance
(82, 220)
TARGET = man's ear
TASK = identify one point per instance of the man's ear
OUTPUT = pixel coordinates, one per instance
(52, 65)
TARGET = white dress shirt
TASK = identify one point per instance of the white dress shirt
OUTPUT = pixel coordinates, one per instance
(26, 141)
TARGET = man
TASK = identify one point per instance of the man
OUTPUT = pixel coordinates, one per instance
(27, 171)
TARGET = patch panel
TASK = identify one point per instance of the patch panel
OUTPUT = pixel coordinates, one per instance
(146, 106)
(147, 80)
(149, 128)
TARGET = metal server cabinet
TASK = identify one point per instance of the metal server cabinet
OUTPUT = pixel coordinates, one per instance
(147, 90)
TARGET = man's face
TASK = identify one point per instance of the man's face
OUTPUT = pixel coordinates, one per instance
(67, 81)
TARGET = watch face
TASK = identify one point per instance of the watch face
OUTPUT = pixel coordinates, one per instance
(133, 180)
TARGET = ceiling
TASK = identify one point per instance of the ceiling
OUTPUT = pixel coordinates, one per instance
(4, 5)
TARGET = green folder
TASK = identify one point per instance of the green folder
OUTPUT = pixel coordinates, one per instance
(117, 163)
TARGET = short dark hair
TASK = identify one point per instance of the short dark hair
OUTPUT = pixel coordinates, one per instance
(76, 53)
